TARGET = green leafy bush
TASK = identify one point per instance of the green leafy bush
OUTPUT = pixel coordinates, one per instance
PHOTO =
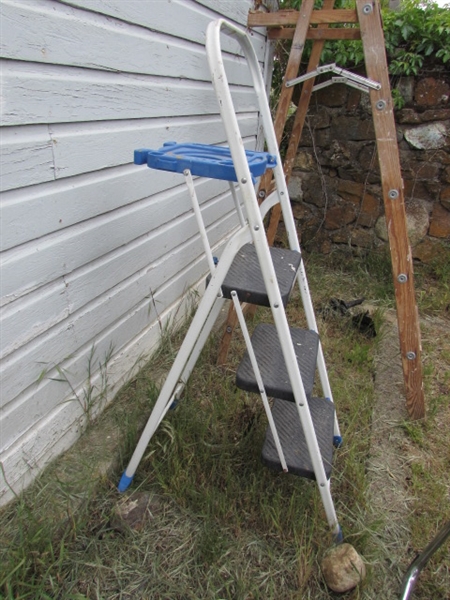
(417, 34)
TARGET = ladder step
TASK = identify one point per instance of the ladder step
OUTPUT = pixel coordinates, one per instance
(271, 363)
(246, 279)
(293, 439)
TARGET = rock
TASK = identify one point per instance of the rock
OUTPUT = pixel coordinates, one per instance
(347, 188)
(445, 198)
(339, 154)
(354, 98)
(300, 211)
(352, 128)
(417, 223)
(406, 88)
(408, 116)
(369, 211)
(335, 95)
(362, 238)
(440, 222)
(339, 216)
(429, 250)
(343, 568)
(320, 118)
(446, 175)
(438, 114)
(425, 171)
(416, 190)
(304, 161)
(381, 229)
(427, 137)
(430, 92)
(312, 190)
(295, 189)
(133, 511)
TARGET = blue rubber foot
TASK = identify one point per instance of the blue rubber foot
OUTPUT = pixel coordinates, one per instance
(338, 537)
(124, 482)
(337, 441)
(173, 405)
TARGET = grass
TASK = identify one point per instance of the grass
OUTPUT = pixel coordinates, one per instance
(220, 525)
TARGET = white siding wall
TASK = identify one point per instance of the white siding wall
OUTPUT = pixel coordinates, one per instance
(90, 243)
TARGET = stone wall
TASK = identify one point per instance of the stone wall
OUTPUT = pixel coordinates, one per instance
(335, 185)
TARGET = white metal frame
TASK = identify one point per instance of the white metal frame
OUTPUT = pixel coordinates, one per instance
(252, 230)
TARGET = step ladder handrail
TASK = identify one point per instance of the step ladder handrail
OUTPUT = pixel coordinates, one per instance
(221, 87)
(220, 83)
(229, 119)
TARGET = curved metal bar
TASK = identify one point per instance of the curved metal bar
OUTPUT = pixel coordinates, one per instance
(421, 560)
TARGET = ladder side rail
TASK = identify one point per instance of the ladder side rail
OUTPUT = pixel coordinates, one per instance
(212, 293)
(256, 225)
(299, 36)
(393, 194)
(259, 379)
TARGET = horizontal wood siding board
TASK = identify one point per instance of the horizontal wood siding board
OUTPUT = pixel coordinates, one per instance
(98, 43)
(33, 315)
(180, 19)
(235, 10)
(91, 318)
(41, 153)
(26, 156)
(52, 94)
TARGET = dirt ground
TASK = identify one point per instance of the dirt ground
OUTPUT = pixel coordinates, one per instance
(391, 455)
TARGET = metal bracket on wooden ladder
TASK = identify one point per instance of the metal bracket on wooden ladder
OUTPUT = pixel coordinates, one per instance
(347, 77)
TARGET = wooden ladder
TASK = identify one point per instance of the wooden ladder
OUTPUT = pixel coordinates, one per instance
(314, 24)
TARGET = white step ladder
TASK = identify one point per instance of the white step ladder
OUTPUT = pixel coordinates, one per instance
(280, 361)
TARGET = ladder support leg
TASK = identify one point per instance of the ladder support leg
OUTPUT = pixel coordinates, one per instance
(182, 360)
(200, 343)
(259, 380)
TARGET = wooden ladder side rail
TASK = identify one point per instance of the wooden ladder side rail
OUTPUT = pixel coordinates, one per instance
(392, 184)
(301, 27)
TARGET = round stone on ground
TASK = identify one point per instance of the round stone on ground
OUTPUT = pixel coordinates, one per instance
(343, 568)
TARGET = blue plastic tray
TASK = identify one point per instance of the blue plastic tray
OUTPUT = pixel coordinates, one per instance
(202, 160)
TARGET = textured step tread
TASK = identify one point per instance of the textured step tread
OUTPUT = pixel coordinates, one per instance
(246, 279)
(293, 440)
(271, 363)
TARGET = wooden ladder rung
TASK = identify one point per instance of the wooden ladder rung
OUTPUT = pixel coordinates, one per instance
(286, 18)
(338, 33)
